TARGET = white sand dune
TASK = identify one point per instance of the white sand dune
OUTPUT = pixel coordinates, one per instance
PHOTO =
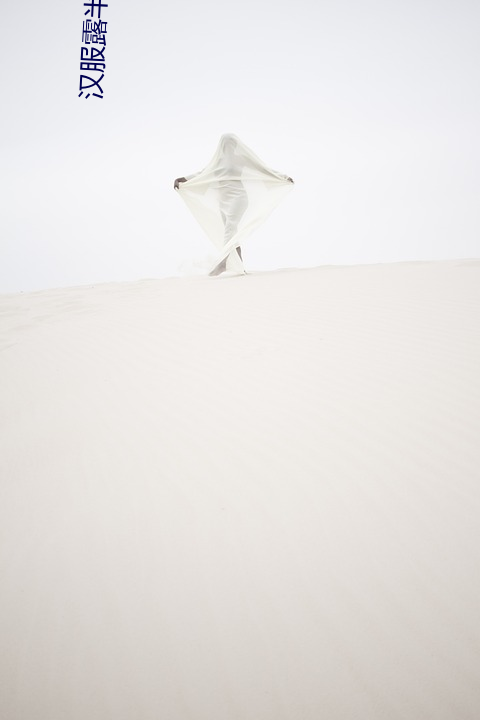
(249, 498)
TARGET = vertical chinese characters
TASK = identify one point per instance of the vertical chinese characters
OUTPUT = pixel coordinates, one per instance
(92, 59)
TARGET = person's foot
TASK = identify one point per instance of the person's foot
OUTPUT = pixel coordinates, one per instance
(219, 269)
(216, 271)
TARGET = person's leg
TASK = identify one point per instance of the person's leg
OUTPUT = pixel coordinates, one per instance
(239, 206)
(231, 213)
(222, 266)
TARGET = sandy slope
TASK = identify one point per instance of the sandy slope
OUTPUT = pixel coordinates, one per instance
(250, 498)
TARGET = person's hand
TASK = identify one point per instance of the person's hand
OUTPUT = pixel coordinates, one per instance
(178, 181)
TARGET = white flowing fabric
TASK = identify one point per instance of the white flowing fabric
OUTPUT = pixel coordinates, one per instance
(232, 196)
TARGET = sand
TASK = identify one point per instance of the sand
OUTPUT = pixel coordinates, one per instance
(249, 498)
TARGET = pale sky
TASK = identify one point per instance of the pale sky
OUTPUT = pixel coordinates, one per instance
(373, 107)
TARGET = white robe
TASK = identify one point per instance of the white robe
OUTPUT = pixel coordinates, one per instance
(232, 196)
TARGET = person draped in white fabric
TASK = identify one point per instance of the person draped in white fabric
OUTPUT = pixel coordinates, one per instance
(226, 189)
